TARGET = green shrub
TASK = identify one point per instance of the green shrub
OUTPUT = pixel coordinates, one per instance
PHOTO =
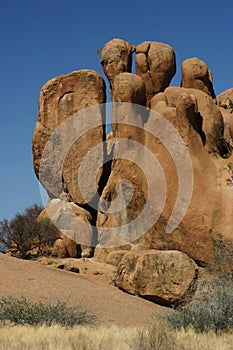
(210, 310)
(23, 311)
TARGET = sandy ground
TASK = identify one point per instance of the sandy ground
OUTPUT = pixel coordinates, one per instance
(92, 287)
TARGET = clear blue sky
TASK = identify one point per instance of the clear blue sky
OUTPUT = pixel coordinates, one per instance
(42, 39)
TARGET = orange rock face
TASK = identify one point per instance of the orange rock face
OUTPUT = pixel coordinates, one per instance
(200, 124)
(195, 74)
(61, 98)
(116, 58)
(225, 103)
(225, 99)
(160, 276)
(126, 183)
(156, 64)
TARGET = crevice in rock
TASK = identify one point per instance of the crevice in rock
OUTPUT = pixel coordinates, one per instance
(224, 148)
(209, 84)
(79, 251)
(198, 126)
(157, 300)
(147, 59)
(200, 263)
(133, 68)
(93, 206)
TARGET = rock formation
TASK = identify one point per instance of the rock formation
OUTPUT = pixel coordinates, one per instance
(160, 276)
(156, 64)
(169, 161)
(225, 103)
(116, 58)
(225, 99)
(195, 74)
(74, 223)
(127, 88)
(60, 98)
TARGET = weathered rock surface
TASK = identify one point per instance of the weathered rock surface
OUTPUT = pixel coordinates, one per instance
(40, 137)
(227, 116)
(156, 64)
(129, 88)
(209, 121)
(116, 58)
(160, 276)
(196, 75)
(114, 257)
(126, 183)
(88, 268)
(65, 247)
(111, 254)
(225, 99)
(61, 98)
(225, 103)
(196, 234)
(75, 228)
(200, 124)
(231, 126)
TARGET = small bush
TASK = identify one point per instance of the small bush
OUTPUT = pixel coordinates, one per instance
(22, 311)
(210, 310)
(222, 264)
(156, 335)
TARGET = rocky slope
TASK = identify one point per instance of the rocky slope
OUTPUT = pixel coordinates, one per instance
(90, 289)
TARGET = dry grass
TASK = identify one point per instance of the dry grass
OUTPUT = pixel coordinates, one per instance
(59, 338)
(157, 335)
(106, 338)
(205, 341)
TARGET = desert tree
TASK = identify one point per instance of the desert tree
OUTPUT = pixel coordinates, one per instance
(25, 232)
